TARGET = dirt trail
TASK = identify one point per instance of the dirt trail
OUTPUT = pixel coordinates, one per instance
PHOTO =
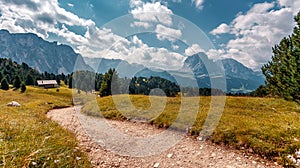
(188, 152)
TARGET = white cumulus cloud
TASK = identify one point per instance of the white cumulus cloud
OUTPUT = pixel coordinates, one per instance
(164, 32)
(256, 32)
(39, 17)
(153, 12)
(139, 52)
(194, 49)
(294, 5)
(221, 29)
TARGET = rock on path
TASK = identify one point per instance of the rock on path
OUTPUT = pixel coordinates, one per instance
(188, 152)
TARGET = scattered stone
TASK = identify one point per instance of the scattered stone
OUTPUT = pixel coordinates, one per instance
(296, 160)
(33, 163)
(78, 158)
(213, 155)
(169, 155)
(298, 154)
(201, 147)
(47, 137)
(56, 161)
(14, 104)
(156, 165)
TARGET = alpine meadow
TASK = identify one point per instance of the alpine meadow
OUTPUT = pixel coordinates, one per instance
(140, 83)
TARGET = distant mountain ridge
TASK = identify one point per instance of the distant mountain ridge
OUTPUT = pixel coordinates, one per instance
(239, 78)
(40, 54)
(57, 58)
(124, 69)
(194, 73)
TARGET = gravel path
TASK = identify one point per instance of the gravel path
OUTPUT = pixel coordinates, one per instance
(132, 144)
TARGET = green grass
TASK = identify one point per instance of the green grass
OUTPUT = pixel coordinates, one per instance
(27, 136)
(266, 126)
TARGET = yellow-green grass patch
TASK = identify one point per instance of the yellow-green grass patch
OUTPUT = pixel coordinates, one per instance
(266, 126)
(29, 139)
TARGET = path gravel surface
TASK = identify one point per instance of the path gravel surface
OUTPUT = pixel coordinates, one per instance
(110, 143)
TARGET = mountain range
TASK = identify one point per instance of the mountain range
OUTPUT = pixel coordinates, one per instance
(40, 54)
(194, 73)
(239, 78)
(197, 70)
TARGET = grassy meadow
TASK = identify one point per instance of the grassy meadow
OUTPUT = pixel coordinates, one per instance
(29, 139)
(266, 126)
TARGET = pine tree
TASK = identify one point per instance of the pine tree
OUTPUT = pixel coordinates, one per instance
(70, 82)
(261, 91)
(29, 80)
(17, 82)
(4, 84)
(66, 81)
(110, 83)
(23, 87)
(282, 72)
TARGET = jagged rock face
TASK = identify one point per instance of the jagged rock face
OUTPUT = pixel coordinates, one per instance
(196, 63)
(40, 54)
(239, 78)
(236, 69)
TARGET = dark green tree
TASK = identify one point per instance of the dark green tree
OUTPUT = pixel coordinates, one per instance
(66, 82)
(282, 72)
(17, 82)
(1, 76)
(23, 87)
(110, 83)
(29, 80)
(57, 80)
(4, 84)
(261, 91)
(70, 82)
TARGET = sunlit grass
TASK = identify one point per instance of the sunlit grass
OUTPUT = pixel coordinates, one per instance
(265, 126)
(29, 139)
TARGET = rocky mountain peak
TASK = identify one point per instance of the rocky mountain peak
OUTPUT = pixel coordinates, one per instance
(40, 54)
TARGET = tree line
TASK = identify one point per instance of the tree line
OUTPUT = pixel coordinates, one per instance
(21, 75)
(110, 83)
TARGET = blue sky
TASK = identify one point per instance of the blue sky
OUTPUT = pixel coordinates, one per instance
(158, 33)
